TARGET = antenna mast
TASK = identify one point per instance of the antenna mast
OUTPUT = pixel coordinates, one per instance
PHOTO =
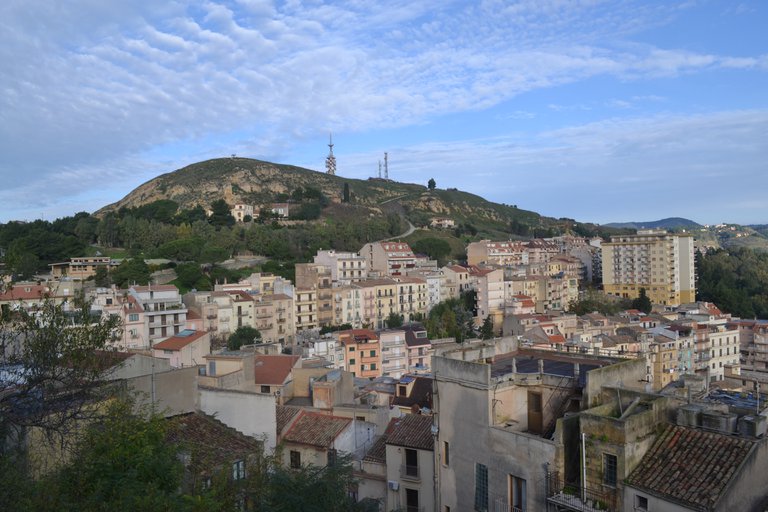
(386, 167)
(330, 161)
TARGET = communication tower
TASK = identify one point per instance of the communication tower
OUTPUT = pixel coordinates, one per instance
(330, 161)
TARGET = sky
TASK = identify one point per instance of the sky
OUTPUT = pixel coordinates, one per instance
(601, 111)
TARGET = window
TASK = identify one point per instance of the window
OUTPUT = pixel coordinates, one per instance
(373, 366)
(351, 361)
(481, 487)
(206, 483)
(332, 457)
(446, 453)
(133, 317)
(402, 391)
(641, 502)
(373, 353)
(238, 470)
(411, 463)
(351, 349)
(295, 459)
(265, 389)
(609, 469)
(517, 494)
(411, 500)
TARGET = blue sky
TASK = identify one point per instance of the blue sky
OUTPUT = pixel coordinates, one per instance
(598, 111)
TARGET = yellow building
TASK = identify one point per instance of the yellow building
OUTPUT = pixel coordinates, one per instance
(658, 261)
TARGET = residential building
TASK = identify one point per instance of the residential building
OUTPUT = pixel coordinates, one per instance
(419, 348)
(164, 313)
(362, 352)
(410, 461)
(241, 211)
(281, 210)
(82, 268)
(389, 258)
(394, 356)
(659, 262)
(274, 375)
(305, 302)
(315, 438)
(187, 348)
(346, 267)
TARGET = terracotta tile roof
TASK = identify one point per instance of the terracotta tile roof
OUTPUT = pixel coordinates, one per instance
(690, 465)
(210, 442)
(274, 370)
(316, 429)
(458, 269)
(181, 340)
(378, 451)
(413, 431)
(25, 292)
(193, 315)
(285, 414)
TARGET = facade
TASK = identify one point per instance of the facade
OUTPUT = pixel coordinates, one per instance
(346, 267)
(362, 352)
(164, 313)
(660, 262)
(410, 461)
(82, 268)
(389, 258)
(240, 211)
(187, 348)
(394, 356)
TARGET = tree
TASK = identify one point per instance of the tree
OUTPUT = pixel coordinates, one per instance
(431, 184)
(101, 277)
(394, 320)
(435, 248)
(221, 215)
(52, 366)
(486, 331)
(643, 302)
(345, 194)
(133, 271)
(244, 335)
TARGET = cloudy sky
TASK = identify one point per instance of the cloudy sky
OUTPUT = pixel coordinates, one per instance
(596, 110)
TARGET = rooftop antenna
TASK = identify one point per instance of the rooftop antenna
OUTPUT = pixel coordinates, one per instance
(330, 161)
(386, 167)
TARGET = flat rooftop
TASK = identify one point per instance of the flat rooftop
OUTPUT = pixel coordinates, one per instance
(555, 363)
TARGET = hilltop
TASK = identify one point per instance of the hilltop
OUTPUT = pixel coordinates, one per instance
(249, 181)
(672, 223)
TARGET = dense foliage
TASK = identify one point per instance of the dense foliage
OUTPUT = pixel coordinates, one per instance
(736, 280)
(244, 335)
(452, 318)
(597, 302)
(159, 230)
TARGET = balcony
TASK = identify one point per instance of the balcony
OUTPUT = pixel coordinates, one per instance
(410, 473)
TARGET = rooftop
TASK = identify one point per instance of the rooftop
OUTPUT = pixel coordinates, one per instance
(690, 465)
(412, 431)
(181, 340)
(316, 429)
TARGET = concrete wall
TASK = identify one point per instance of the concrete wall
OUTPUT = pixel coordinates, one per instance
(253, 414)
(175, 390)
(301, 378)
(629, 374)
(654, 503)
(138, 365)
(372, 482)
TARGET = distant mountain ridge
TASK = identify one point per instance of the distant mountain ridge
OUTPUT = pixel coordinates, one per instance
(668, 223)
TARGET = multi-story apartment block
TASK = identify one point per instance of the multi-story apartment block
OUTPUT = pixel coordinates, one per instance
(419, 348)
(377, 300)
(497, 253)
(318, 278)
(305, 302)
(411, 297)
(458, 278)
(715, 347)
(389, 258)
(362, 352)
(164, 313)
(346, 267)
(660, 262)
(394, 354)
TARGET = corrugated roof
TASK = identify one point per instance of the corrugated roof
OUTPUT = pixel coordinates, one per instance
(413, 431)
(691, 465)
(316, 429)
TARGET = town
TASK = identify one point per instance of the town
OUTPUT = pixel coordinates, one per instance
(530, 405)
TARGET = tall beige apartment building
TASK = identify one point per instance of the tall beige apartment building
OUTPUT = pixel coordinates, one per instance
(658, 261)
